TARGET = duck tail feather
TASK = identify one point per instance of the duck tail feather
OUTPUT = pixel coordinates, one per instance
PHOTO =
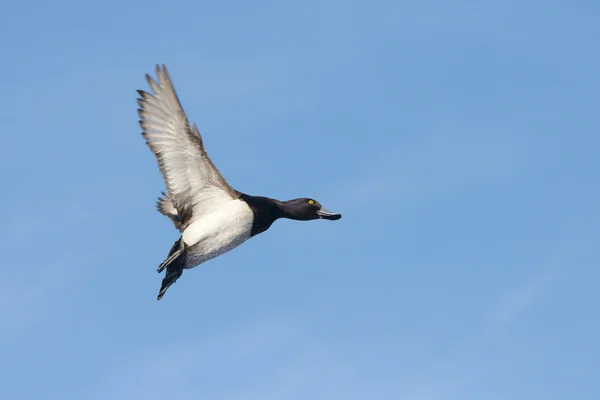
(173, 273)
(176, 251)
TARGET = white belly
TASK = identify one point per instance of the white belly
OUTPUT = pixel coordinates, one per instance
(218, 232)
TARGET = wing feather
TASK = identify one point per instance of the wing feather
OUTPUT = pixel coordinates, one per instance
(164, 205)
(194, 184)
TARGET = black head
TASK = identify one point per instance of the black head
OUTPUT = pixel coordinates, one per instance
(306, 209)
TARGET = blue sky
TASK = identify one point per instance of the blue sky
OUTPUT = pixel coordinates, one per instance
(459, 140)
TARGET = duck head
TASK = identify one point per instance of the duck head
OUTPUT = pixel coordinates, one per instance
(306, 209)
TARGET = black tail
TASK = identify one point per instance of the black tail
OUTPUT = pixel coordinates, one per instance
(174, 271)
(176, 250)
(174, 265)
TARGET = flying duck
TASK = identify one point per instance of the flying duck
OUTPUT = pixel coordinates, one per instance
(213, 218)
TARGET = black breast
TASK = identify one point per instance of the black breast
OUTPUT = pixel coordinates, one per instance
(265, 210)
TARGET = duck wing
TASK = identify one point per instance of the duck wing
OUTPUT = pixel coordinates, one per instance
(194, 184)
(164, 205)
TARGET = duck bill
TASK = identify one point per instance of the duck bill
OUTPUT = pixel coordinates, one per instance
(325, 214)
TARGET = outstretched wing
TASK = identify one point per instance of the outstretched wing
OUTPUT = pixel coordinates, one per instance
(194, 184)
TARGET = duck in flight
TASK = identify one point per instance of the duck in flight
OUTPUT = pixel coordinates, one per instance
(212, 217)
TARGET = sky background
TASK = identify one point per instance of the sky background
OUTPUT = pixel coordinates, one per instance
(458, 139)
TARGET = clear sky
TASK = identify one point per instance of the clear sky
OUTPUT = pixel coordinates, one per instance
(460, 141)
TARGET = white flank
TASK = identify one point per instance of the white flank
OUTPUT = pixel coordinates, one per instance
(218, 232)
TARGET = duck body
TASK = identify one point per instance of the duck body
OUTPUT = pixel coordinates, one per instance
(214, 234)
(213, 218)
(218, 232)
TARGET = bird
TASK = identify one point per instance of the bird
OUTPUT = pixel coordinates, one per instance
(212, 217)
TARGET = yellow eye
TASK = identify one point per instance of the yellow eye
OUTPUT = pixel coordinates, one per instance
(311, 202)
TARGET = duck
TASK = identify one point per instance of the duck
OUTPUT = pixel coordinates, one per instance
(211, 216)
